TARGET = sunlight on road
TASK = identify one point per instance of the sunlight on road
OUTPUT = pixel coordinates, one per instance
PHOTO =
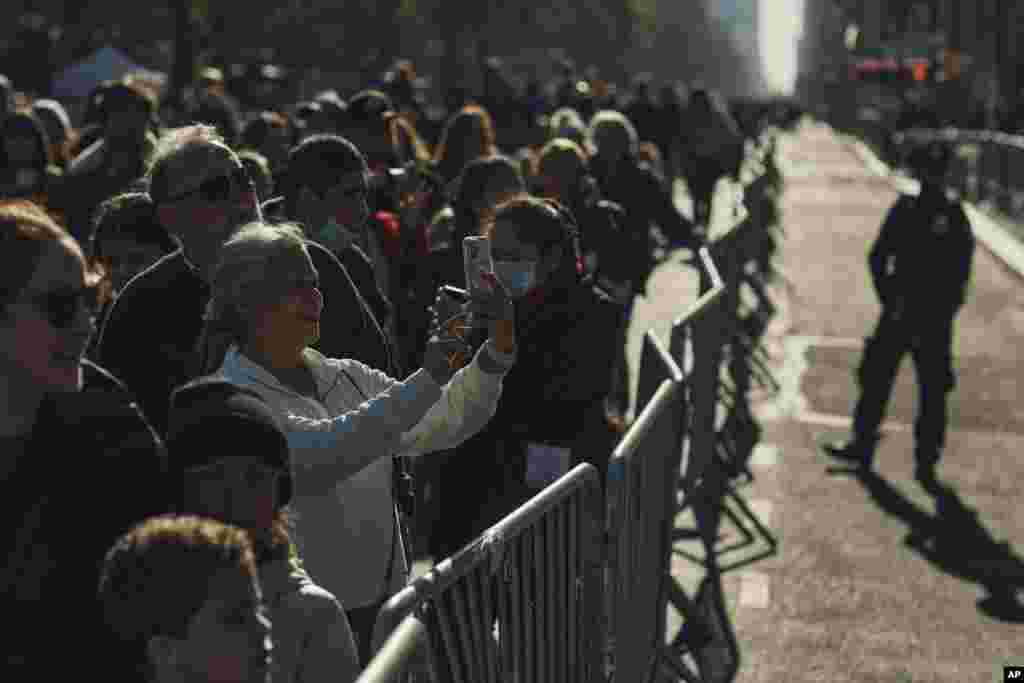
(781, 25)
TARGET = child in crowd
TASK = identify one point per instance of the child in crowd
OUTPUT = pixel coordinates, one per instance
(182, 597)
(249, 485)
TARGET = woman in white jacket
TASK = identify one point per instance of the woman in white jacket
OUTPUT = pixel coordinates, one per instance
(343, 419)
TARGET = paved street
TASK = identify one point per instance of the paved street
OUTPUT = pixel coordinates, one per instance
(874, 578)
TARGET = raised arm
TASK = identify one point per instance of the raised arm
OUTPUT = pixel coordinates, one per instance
(328, 451)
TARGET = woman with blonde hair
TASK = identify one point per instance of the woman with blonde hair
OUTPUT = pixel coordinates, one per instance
(343, 420)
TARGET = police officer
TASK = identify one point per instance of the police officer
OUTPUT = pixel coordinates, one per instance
(920, 265)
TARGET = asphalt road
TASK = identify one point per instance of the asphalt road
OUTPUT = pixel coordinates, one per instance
(875, 579)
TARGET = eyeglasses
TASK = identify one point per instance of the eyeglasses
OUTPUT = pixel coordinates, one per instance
(61, 306)
(220, 188)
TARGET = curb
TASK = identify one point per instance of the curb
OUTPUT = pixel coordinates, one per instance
(987, 228)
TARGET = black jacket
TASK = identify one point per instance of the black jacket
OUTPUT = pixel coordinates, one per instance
(360, 269)
(644, 200)
(92, 468)
(637, 188)
(149, 336)
(554, 395)
(921, 262)
(603, 234)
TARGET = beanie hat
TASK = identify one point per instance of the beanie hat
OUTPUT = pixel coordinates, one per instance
(212, 418)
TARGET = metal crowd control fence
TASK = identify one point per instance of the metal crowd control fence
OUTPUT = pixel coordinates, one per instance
(642, 475)
(644, 471)
(523, 602)
(987, 165)
(539, 596)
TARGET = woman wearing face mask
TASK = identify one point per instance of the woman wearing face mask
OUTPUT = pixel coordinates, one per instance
(80, 464)
(250, 486)
(27, 169)
(552, 412)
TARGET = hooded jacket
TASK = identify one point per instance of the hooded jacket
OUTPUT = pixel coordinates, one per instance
(554, 396)
(340, 444)
(313, 642)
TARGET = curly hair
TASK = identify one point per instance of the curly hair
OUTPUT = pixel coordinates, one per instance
(155, 577)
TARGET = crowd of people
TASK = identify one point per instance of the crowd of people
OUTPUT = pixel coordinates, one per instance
(234, 336)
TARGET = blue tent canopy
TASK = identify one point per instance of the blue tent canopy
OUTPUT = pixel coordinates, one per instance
(81, 78)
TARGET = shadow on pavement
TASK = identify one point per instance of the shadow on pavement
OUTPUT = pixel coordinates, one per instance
(955, 540)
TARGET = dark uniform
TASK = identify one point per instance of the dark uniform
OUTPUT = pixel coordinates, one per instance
(920, 265)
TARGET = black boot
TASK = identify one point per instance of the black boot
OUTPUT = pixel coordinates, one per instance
(858, 450)
(925, 460)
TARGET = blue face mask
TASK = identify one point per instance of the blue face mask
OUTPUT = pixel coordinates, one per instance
(517, 277)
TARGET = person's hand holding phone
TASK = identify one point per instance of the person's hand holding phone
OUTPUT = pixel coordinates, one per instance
(495, 308)
(449, 302)
(444, 356)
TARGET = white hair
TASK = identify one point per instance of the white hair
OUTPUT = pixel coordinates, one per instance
(242, 278)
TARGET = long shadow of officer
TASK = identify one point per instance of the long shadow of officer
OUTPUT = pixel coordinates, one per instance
(920, 265)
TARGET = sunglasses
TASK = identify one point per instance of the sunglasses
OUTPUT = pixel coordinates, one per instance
(61, 306)
(220, 188)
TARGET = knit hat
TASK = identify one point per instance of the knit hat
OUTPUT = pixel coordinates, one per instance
(212, 418)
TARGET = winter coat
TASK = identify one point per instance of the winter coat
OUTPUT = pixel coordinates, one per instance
(312, 639)
(91, 469)
(340, 443)
(921, 262)
(644, 199)
(149, 336)
(554, 396)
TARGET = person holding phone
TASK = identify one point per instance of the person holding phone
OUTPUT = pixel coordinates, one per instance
(552, 413)
(343, 420)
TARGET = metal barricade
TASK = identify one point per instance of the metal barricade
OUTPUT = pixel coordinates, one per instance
(642, 475)
(987, 166)
(523, 602)
(541, 596)
(393, 658)
(696, 346)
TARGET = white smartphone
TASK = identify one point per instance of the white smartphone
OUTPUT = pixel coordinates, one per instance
(476, 254)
